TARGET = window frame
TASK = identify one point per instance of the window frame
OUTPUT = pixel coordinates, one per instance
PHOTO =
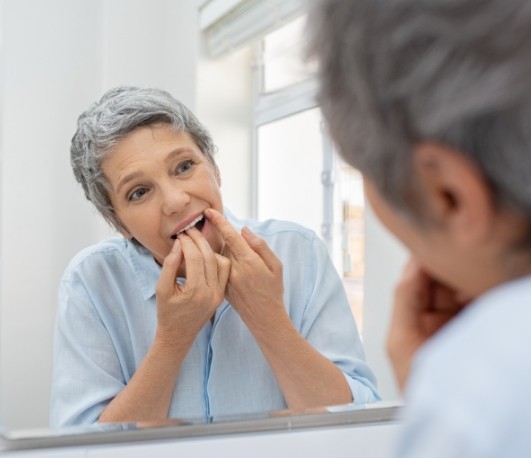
(273, 106)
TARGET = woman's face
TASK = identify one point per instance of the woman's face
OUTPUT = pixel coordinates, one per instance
(466, 242)
(429, 245)
(161, 182)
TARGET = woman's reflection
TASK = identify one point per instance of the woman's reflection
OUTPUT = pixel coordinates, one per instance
(191, 313)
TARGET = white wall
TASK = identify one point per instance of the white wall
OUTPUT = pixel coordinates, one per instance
(58, 56)
(224, 105)
(384, 259)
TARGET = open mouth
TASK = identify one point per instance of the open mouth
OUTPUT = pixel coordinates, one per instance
(199, 222)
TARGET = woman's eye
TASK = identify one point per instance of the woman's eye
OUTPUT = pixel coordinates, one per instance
(138, 193)
(184, 166)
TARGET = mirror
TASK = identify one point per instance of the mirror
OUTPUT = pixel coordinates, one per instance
(58, 57)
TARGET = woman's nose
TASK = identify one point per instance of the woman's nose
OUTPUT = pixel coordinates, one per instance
(174, 199)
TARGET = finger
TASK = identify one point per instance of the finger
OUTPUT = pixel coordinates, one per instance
(209, 260)
(223, 266)
(433, 322)
(445, 299)
(413, 288)
(404, 337)
(234, 242)
(195, 269)
(412, 295)
(260, 247)
(170, 267)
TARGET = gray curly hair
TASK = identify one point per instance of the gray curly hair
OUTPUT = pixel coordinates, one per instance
(395, 73)
(120, 111)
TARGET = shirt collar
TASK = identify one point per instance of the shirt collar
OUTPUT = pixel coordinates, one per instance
(512, 290)
(146, 269)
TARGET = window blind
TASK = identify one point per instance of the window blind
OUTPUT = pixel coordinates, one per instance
(229, 24)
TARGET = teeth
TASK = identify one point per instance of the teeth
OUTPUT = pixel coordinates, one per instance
(192, 224)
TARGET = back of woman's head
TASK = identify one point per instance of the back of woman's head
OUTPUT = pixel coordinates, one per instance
(397, 73)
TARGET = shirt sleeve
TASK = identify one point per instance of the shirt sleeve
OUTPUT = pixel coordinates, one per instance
(86, 371)
(329, 326)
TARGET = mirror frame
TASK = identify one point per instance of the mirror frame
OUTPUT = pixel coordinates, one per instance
(348, 415)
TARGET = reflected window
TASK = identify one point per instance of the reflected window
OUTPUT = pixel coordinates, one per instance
(298, 175)
(289, 165)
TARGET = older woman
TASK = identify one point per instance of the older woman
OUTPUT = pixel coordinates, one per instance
(431, 100)
(191, 312)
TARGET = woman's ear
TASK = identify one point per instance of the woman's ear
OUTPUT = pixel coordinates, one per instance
(454, 193)
(125, 233)
(218, 174)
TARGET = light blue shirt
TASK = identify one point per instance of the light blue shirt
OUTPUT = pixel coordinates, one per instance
(470, 389)
(107, 317)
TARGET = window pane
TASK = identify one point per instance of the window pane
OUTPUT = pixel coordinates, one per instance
(289, 170)
(290, 163)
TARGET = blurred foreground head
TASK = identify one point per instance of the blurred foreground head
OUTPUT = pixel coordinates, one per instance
(395, 74)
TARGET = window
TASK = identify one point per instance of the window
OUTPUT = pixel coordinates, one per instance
(288, 149)
(298, 175)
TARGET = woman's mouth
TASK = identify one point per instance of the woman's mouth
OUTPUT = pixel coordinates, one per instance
(199, 222)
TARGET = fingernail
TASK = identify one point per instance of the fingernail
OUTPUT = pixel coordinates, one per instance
(176, 245)
(248, 231)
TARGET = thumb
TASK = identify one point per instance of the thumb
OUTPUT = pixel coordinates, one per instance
(168, 273)
(223, 265)
(260, 247)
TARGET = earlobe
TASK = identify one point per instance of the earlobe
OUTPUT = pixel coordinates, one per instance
(125, 234)
(455, 193)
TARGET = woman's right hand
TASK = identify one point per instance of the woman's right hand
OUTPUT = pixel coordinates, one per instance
(183, 310)
(422, 306)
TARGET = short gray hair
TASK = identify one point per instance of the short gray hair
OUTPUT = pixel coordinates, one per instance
(119, 112)
(395, 73)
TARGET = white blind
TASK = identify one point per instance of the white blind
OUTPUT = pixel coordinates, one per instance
(228, 25)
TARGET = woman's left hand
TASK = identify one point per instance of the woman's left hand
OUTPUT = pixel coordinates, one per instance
(256, 291)
(255, 287)
(422, 306)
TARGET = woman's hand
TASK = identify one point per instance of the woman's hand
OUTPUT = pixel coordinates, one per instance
(182, 312)
(422, 307)
(184, 309)
(255, 287)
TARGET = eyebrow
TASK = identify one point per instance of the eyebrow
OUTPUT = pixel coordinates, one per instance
(177, 152)
(137, 174)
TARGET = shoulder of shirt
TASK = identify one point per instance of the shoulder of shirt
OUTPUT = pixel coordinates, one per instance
(271, 227)
(114, 247)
